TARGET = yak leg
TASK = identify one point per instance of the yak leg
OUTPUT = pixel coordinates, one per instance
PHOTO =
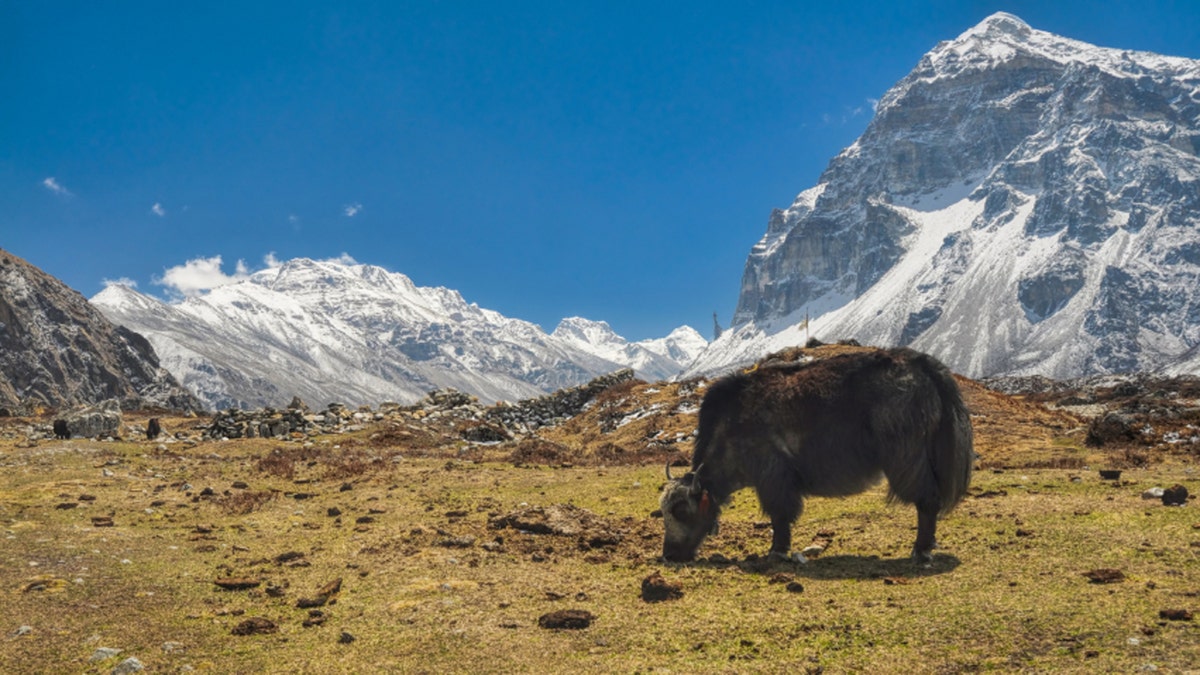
(922, 553)
(783, 510)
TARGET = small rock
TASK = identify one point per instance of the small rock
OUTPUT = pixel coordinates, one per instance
(102, 521)
(345, 638)
(21, 630)
(569, 619)
(129, 665)
(103, 653)
(1153, 493)
(172, 647)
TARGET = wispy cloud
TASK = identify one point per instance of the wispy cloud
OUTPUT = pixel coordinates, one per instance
(271, 261)
(199, 275)
(52, 184)
(158, 210)
(123, 281)
(352, 210)
(344, 259)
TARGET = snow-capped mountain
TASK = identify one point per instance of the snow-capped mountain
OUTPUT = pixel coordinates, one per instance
(1021, 203)
(358, 334)
(659, 359)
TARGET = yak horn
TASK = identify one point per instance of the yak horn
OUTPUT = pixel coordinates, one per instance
(669, 477)
(696, 489)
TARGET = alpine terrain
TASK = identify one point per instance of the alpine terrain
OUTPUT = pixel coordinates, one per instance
(331, 331)
(1021, 203)
(56, 350)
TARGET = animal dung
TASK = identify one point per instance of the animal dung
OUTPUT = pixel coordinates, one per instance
(568, 619)
(657, 589)
(1105, 575)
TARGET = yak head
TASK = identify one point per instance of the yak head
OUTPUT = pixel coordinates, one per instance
(689, 514)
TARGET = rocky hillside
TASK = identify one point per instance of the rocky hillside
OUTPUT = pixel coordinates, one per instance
(1021, 203)
(57, 350)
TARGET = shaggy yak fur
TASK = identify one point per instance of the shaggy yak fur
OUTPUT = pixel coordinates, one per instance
(832, 427)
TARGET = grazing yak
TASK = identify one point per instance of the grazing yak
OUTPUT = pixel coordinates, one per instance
(831, 427)
(153, 428)
(61, 431)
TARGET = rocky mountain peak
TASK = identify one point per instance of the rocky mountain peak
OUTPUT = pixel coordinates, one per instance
(1021, 203)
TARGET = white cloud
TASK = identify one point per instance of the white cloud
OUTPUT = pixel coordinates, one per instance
(343, 259)
(123, 281)
(199, 275)
(874, 103)
(271, 261)
(352, 210)
(158, 210)
(52, 184)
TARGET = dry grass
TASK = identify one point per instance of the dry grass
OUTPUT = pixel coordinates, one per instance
(427, 585)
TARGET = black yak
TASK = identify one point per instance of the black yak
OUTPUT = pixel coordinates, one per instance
(831, 427)
(61, 431)
(153, 428)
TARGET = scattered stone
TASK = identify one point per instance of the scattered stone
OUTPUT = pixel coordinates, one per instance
(1175, 614)
(129, 665)
(657, 589)
(1153, 493)
(290, 556)
(21, 631)
(237, 583)
(465, 541)
(103, 653)
(333, 512)
(255, 625)
(240, 485)
(1105, 575)
(567, 619)
(1176, 495)
(102, 521)
(172, 647)
(345, 638)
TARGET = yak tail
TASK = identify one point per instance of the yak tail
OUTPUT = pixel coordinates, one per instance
(953, 454)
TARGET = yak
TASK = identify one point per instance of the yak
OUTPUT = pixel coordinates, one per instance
(61, 430)
(831, 427)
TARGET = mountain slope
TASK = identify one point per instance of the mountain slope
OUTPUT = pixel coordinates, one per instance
(330, 331)
(1021, 203)
(57, 350)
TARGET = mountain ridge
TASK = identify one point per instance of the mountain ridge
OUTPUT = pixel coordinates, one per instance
(338, 331)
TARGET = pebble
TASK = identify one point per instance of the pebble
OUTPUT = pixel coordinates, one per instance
(103, 653)
(1153, 493)
(129, 665)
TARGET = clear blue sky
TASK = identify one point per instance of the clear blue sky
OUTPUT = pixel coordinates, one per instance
(613, 160)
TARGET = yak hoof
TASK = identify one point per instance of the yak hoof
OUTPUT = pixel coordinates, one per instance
(776, 556)
(923, 558)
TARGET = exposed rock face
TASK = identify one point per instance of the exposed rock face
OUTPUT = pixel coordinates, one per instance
(96, 421)
(1021, 203)
(56, 350)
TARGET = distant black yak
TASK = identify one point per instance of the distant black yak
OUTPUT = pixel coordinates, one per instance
(831, 427)
(60, 430)
(153, 428)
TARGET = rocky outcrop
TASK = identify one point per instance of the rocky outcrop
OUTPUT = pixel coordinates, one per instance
(57, 351)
